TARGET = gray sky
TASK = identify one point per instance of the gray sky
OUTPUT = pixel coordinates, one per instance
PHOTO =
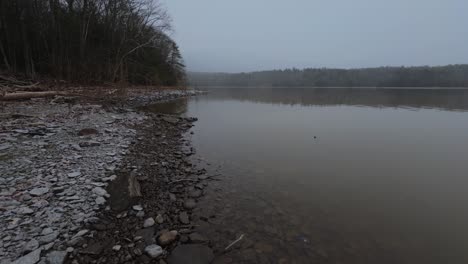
(249, 35)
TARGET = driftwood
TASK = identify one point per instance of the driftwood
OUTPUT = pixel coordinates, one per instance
(134, 186)
(29, 95)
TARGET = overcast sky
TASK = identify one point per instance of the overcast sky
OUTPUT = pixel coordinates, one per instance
(250, 35)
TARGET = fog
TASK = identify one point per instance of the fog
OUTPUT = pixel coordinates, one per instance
(250, 35)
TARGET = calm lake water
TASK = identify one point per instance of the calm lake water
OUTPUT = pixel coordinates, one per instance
(334, 175)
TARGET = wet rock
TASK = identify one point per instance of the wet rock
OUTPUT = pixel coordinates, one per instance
(30, 258)
(39, 191)
(184, 218)
(191, 253)
(197, 238)
(87, 132)
(116, 247)
(56, 257)
(154, 251)
(149, 222)
(167, 238)
(190, 204)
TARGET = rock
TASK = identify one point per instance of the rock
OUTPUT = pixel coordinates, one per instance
(48, 238)
(140, 214)
(39, 191)
(154, 251)
(137, 208)
(31, 246)
(190, 204)
(147, 234)
(116, 247)
(30, 258)
(81, 233)
(149, 222)
(197, 238)
(88, 144)
(47, 231)
(25, 210)
(99, 191)
(184, 218)
(172, 120)
(191, 253)
(159, 219)
(100, 200)
(167, 238)
(87, 132)
(56, 257)
(74, 174)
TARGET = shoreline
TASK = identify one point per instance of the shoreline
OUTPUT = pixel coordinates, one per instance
(69, 203)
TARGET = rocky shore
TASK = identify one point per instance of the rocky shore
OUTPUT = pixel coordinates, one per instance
(91, 183)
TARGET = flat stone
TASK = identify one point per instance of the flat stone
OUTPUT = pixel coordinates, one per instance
(191, 253)
(197, 238)
(56, 257)
(32, 245)
(74, 174)
(137, 208)
(25, 210)
(100, 191)
(48, 238)
(172, 120)
(167, 238)
(154, 251)
(31, 258)
(116, 247)
(184, 218)
(39, 191)
(149, 222)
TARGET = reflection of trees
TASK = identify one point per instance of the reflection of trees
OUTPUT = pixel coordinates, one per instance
(449, 99)
(178, 106)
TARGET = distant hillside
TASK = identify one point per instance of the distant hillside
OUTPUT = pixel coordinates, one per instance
(443, 76)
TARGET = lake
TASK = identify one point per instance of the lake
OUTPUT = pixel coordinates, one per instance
(333, 175)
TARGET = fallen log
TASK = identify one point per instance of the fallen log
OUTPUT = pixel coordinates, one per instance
(29, 95)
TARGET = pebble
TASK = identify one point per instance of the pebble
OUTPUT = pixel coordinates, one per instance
(184, 218)
(39, 191)
(137, 207)
(154, 251)
(56, 257)
(167, 238)
(149, 222)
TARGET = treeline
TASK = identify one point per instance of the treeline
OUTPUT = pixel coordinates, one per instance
(90, 41)
(444, 76)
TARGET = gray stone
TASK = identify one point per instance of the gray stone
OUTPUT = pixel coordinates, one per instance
(184, 218)
(100, 191)
(100, 200)
(56, 257)
(149, 222)
(159, 219)
(154, 251)
(191, 253)
(48, 238)
(74, 174)
(39, 191)
(47, 231)
(25, 210)
(31, 258)
(32, 245)
(137, 208)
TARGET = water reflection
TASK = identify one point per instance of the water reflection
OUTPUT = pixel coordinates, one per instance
(309, 176)
(448, 99)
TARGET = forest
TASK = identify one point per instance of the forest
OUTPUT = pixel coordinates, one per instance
(89, 41)
(442, 76)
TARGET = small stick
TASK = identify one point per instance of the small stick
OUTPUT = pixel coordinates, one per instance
(233, 243)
